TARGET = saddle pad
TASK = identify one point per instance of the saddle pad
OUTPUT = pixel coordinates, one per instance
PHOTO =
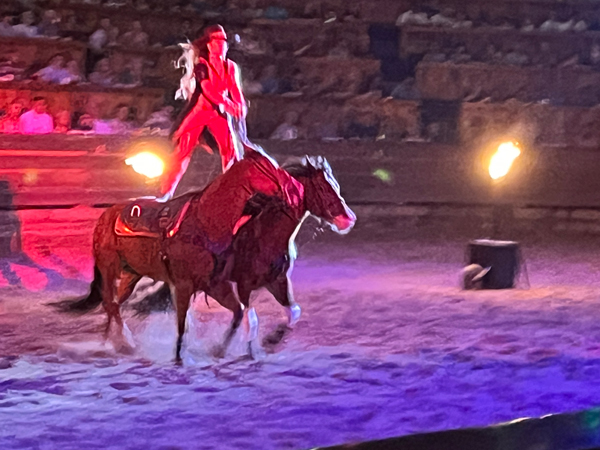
(149, 218)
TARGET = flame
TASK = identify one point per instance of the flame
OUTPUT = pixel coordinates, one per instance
(503, 159)
(147, 164)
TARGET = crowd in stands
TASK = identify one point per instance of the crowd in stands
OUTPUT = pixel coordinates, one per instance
(18, 119)
(117, 56)
(450, 18)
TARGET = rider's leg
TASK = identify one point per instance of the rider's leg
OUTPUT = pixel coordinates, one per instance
(186, 136)
(223, 134)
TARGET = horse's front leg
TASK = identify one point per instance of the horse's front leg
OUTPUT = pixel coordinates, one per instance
(281, 289)
(226, 294)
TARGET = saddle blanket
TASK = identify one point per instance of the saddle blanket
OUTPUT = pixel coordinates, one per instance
(149, 218)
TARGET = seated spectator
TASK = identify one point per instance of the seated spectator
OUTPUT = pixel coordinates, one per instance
(462, 21)
(11, 66)
(136, 38)
(102, 75)
(581, 26)
(545, 56)
(412, 18)
(99, 38)
(6, 27)
(160, 122)
(10, 122)
(527, 26)
(249, 85)
(118, 125)
(406, 90)
(55, 72)
(37, 120)
(269, 80)
(63, 122)
(551, 24)
(341, 50)
(516, 58)
(595, 56)
(49, 25)
(435, 54)
(113, 37)
(26, 27)
(74, 72)
(460, 56)
(276, 13)
(444, 18)
(493, 56)
(288, 130)
(142, 5)
(251, 44)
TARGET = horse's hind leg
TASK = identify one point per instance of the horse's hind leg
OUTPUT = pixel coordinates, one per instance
(183, 294)
(225, 293)
(127, 284)
(109, 276)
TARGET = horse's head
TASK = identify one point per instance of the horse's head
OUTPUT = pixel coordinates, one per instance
(322, 193)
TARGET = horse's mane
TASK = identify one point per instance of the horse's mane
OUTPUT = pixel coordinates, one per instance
(307, 166)
(262, 203)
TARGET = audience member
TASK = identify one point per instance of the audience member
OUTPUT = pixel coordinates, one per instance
(6, 28)
(516, 57)
(10, 122)
(63, 122)
(99, 38)
(412, 18)
(250, 85)
(269, 80)
(135, 38)
(102, 75)
(74, 72)
(55, 72)
(118, 125)
(37, 120)
(49, 25)
(527, 26)
(12, 67)
(160, 122)
(460, 56)
(26, 27)
(406, 90)
(444, 18)
(288, 130)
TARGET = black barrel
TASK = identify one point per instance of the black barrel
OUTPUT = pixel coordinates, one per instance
(502, 256)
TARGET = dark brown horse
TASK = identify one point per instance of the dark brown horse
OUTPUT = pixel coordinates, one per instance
(187, 262)
(263, 251)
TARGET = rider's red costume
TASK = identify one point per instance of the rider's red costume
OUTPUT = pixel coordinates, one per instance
(219, 101)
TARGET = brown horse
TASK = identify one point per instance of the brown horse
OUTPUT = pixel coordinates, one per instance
(187, 262)
(263, 251)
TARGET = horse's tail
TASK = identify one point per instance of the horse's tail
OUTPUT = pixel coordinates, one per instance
(87, 303)
(156, 298)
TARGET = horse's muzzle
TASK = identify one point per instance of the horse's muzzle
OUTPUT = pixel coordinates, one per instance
(344, 222)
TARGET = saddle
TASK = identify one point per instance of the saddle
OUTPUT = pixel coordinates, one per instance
(149, 218)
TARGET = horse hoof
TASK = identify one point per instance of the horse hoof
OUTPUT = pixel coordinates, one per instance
(276, 336)
(218, 352)
(294, 313)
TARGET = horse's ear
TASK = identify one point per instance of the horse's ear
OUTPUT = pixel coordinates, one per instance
(309, 162)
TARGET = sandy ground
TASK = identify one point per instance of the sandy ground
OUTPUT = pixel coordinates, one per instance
(387, 345)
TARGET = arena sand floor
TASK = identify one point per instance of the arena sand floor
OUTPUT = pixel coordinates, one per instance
(387, 345)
